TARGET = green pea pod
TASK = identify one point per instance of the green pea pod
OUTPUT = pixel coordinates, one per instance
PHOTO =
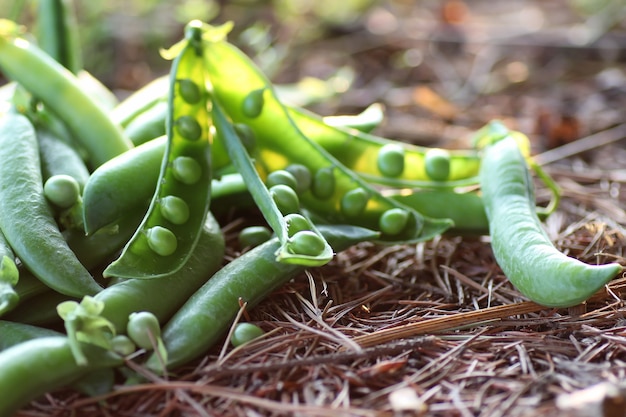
(123, 184)
(207, 315)
(293, 249)
(26, 219)
(163, 243)
(42, 365)
(62, 94)
(58, 33)
(280, 143)
(520, 245)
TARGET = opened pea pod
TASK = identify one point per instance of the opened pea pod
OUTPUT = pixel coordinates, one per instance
(336, 194)
(181, 201)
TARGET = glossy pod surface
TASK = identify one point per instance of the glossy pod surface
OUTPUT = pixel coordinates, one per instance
(171, 228)
(521, 247)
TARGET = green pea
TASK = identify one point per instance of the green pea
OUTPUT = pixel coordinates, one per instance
(285, 198)
(246, 135)
(437, 164)
(303, 177)
(253, 103)
(244, 333)
(189, 91)
(122, 345)
(323, 185)
(143, 329)
(390, 160)
(393, 221)
(253, 236)
(174, 209)
(188, 128)
(296, 223)
(306, 242)
(186, 170)
(161, 240)
(283, 177)
(62, 190)
(354, 202)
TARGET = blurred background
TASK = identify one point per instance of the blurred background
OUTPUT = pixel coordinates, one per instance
(553, 69)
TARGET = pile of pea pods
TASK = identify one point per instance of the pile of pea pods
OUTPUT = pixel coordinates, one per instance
(109, 240)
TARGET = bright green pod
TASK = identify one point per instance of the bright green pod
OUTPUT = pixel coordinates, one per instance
(437, 164)
(185, 173)
(390, 160)
(354, 202)
(520, 245)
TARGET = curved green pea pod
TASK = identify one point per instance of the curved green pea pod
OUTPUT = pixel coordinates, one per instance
(162, 246)
(280, 143)
(62, 93)
(520, 245)
(25, 216)
(122, 184)
(45, 364)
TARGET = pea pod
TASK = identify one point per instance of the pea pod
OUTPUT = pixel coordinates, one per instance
(26, 219)
(162, 243)
(520, 245)
(208, 313)
(42, 365)
(62, 94)
(280, 143)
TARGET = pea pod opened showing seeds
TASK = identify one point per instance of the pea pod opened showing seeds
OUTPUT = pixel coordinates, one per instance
(170, 230)
(521, 247)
